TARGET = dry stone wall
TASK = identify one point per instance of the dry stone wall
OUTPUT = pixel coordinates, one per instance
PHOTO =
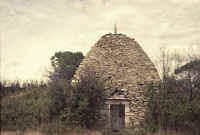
(122, 63)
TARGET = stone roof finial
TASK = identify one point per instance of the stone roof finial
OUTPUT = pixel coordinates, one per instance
(115, 29)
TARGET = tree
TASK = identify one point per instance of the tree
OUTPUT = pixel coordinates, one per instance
(65, 64)
(190, 77)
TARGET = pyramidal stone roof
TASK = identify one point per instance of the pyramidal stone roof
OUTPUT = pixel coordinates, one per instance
(120, 61)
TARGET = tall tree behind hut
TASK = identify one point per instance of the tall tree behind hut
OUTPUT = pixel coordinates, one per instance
(64, 65)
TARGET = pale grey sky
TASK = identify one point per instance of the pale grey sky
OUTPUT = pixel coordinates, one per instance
(31, 31)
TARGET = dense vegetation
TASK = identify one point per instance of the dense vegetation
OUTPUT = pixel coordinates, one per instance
(170, 108)
(83, 110)
(174, 103)
(25, 111)
(59, 105)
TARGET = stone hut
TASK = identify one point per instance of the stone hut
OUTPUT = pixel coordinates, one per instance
(126, 69)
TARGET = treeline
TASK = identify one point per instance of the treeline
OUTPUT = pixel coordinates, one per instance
(13, 87)
(64, 65)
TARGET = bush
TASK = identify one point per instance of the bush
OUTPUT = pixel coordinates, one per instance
(169, 108)
(87, 101)
(59, 91)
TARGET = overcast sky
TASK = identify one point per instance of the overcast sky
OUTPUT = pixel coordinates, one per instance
(31, 31)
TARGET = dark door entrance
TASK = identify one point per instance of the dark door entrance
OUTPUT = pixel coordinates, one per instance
(117, 115)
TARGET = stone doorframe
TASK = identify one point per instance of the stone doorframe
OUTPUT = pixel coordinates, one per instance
(125, 101)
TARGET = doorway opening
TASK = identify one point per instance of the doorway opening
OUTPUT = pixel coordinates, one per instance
(117, 116)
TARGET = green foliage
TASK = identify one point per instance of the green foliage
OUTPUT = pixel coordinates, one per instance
(25, 111)
(169, 108)
(88, 99)
(38, 108)
(77, 106)
(57, 96)
(65, 64)
(59, 102)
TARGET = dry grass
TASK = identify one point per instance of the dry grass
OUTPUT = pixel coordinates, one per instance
(161, 132)
(38, 133)
(21, 133)
(86, 132)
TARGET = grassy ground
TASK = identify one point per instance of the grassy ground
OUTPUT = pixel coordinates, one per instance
(89, 132)
(39, 133)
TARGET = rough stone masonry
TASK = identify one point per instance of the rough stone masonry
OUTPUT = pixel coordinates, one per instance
(126, 69)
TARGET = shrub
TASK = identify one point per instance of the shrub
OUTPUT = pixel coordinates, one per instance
(57, 92)
(87, 101)
(169, 108)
